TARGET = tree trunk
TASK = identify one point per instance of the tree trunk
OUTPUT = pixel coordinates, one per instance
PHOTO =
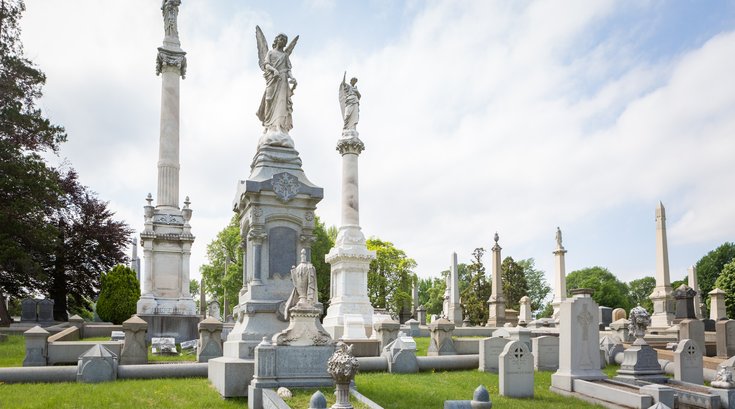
(58, 289)
(5, 319)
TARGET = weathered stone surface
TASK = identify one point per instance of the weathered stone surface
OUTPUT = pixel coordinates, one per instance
(134, 349)
(231, 376)
(611, 347)
(619, 314)
(605, 316)
(496, 303)
(717, 310)
(401, 355)
(688, 365)
(387, 331)
(490, 350)
(98, 364)
(579, 342)
(46, 310)
(421, 313)
(663, 395)
(413, 328)
(515, 371)
(318, 401)
(663, 308)
(36, 346)
(692, 329)
(545, 353)
(684, 296)
(28, 310)
(209, 344)
(725, 338)
(441, 338)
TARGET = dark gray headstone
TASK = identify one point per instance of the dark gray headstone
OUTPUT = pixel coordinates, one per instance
(605, 317)
(684, 296)
(709, 325)
(282, 248)
(46, 310)
(29, 310)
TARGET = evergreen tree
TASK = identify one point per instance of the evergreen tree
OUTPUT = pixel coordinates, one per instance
(119, 295)
(515, 285)
(475, 295)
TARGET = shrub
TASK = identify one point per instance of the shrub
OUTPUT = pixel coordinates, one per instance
(119, 295)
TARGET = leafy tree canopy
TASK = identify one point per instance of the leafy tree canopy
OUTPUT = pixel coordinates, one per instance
(476, 293)
(515, 285)
(609, 291)
(710, 266)
(538, 287)
(217, 281)
(640, 293)
(726, 282)
(390, 277)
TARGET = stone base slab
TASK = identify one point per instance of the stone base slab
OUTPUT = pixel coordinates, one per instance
(180, 327)
(231, 376)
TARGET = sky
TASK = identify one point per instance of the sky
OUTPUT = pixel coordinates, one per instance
(477, 116)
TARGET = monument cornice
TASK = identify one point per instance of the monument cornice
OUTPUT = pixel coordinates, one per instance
(351, 145)
(171, 58)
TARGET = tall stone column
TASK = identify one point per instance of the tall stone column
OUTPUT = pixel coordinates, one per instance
(496, 302)
(455, 307)
(663, 308)
(167, 237)
(560, 277)
(692, 278)
(350, 258)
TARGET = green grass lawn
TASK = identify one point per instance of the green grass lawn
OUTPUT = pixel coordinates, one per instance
(392, 391)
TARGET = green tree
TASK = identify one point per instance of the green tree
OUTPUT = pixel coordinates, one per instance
(609, 291)
(640, 292)
(390, 276)
(710, 266)
(28, 187)
(475, 295)
(538, 287)
(547, 312)
(431, 294)
(322, 244)
(119, 294)
(726, 282)
(515, 285)
(215, 279)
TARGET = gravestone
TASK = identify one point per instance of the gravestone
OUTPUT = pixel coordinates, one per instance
(134, 350)
(579, 341)
(684, 297)
(441, 338)
(421, 312)
(401, 355)
(490, 349)
(209, 345)
(386, 332)
(520, 334)
(413, 328)
(621, 328)
(46, 310)
(725, 337)
(717, 309)
(605, 317)
(619, 314)
(640, 361)
(688, 365)
(354, 327)
(545, 353)
(709, 325)
(524, 316)
(36, 346)
(28, 310)
(515, 371)
(692, 329)
(611, 346)
(163, 346)
(98, 364)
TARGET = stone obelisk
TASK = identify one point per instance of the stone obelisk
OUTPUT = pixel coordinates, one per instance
(692, 277)
(560, 278)
(455, 307)
(350, 258)
(496, 302)
(663, 311)
(166, 303)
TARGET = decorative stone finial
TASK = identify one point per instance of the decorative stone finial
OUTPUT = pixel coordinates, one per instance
(496, 238)
(187, 202)
(149, 199)
(558, 237)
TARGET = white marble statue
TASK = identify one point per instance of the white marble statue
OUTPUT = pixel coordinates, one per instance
(275, 106)
(349, 102)
(304, 294)
(170, 11)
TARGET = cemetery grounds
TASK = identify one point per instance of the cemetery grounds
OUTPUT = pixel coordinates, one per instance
(392, 391)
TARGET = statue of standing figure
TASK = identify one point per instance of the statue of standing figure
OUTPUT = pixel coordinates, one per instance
(275, 107)
(349, 101)
(304, 294)
(170, 11)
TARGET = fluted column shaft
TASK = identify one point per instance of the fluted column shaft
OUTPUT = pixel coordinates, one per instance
(168, 153)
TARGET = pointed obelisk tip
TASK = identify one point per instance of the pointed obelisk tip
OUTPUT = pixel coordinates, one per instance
(660, 211)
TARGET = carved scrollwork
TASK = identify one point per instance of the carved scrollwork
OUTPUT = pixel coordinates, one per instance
(172, 59)
(350, 145)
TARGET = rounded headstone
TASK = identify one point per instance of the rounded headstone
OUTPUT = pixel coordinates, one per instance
(318, 401)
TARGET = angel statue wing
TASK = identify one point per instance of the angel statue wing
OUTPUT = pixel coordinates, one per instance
(262, 47)
(291, 46)
(343, 95)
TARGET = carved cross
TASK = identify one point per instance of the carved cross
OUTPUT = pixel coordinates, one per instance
(584, 319)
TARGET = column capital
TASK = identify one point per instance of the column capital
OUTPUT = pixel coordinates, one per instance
(171, 58)
(350, 145)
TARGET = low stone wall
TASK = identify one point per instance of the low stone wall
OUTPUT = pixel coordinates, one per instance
(69, 373)
(69, 334)
(100, 330)
(467, 346)
(68, 352)
(425, 363)
(473, 332)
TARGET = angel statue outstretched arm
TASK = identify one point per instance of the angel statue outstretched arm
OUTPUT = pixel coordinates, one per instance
(349, 102)
(275, 107)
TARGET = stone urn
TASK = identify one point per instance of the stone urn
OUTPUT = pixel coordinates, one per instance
(342, 366)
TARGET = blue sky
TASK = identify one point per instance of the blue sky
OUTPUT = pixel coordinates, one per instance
(478, 116)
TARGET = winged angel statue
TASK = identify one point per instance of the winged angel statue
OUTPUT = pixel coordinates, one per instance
(275, 107)
(349, 102)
